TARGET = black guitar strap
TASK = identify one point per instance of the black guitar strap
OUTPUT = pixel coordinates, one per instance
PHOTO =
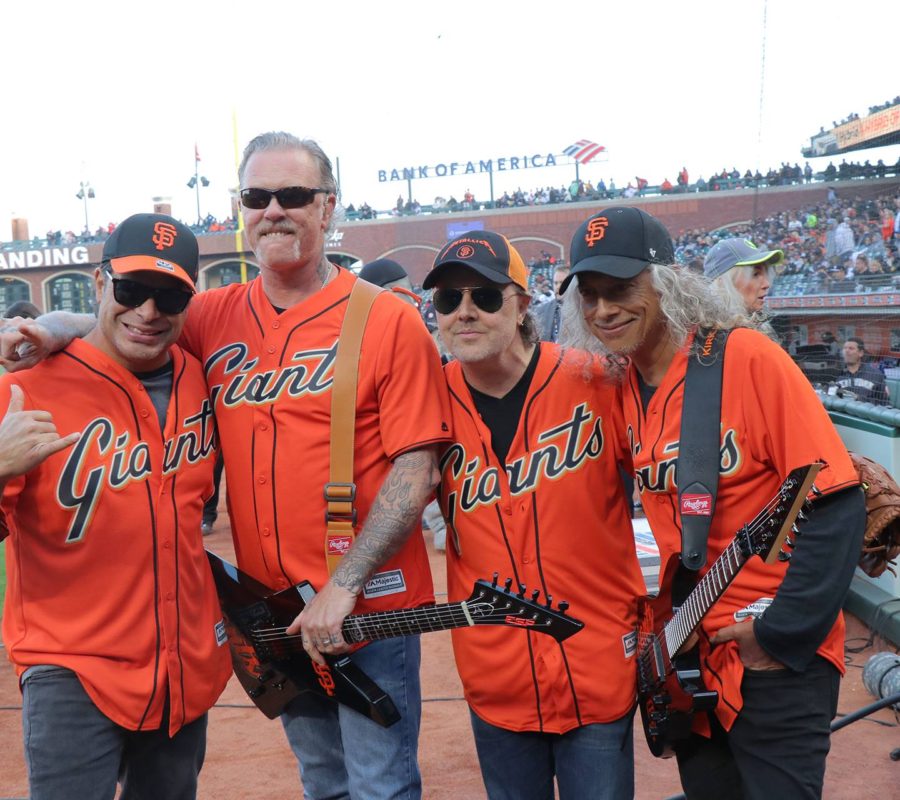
(699, 446)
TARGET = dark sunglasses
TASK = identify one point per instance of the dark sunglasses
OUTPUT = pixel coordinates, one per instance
(133, 294)
(488, 298)
(288, 197)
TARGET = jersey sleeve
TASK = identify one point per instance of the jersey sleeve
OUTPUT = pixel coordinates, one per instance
(413, 402)
(191, 338)
(786, 422)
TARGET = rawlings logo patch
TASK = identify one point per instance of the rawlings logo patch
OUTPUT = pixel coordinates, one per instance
(698, 505)
(339, 545)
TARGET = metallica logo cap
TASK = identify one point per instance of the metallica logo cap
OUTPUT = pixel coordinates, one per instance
(153, 243)
(487, 253)
(621, 242)
(728, 253)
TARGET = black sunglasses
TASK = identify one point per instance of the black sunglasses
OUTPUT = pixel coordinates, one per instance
(133, 294)
(488, 298)
(288, 197)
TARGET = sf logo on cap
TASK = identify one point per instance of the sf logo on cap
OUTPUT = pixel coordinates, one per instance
(164, 234)
(596, 230)
(466, 251)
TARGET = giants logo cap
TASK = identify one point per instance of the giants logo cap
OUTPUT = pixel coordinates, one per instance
(487, 253)
(153, 243)
(621, 242)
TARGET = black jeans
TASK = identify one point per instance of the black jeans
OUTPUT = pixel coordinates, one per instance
(776, 748)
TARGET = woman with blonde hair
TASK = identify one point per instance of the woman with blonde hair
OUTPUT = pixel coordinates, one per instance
(739, 269)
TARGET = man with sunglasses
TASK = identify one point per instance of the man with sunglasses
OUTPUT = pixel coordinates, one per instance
(530, 488)
(268, 350)
(111, 616)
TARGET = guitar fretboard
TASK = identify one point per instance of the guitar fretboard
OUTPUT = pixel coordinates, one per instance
(406, 622)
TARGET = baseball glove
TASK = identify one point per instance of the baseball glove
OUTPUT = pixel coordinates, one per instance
(881, 542)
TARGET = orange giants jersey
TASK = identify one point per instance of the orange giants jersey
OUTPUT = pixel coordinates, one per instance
(772, 422)
(106, 570)
(270, 377)
(554, 519)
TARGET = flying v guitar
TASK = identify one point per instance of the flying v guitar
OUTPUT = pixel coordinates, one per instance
(671, 690)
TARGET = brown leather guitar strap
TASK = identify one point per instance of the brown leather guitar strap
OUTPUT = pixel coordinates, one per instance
(340, 491)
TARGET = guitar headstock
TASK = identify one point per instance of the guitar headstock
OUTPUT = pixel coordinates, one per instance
(491, 604)
(766, 534)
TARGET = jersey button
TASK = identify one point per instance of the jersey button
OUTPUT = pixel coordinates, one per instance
(261, 479)
(270, 349)
(170, 597)
(145, 413)
(266, 532)
(264, 427)
(661, 499)
(167, 544)
(526, 560)
(277, 324)
(507, 510)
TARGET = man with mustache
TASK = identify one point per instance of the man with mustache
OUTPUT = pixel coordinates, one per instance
(268, 348)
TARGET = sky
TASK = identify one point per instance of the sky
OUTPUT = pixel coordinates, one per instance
(118, 94)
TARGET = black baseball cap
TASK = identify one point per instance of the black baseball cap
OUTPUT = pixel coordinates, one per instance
(485, 252)
(382, 271)
(154, 243)
(621, 242)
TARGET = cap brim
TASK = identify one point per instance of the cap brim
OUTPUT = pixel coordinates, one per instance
(496, 277)
(766, 257)
(614, 266)
(160, 266)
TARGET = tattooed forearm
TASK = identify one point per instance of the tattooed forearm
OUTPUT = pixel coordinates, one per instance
(395, 512)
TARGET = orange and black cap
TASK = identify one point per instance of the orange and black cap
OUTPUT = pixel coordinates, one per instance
(485, 252)
(153, 243)
(621, 241)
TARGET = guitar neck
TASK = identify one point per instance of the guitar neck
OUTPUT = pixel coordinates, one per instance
(708, 589)
(405, 622)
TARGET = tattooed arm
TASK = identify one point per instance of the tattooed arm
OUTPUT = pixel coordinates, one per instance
(396, 511)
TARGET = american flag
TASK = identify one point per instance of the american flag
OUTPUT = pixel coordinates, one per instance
(583, 150)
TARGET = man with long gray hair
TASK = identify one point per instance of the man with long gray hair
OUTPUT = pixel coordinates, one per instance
(772, 645)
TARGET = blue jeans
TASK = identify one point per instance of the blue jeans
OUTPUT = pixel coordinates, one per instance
(74, 752)
(345, 755)
(594, 762)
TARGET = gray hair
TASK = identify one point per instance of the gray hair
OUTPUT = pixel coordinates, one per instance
(529, 329)
(280, 140)
(726, 285)
(687, 300)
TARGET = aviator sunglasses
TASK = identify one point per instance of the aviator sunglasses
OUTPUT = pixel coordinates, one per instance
(133, 294)
(489, 299)
(288, 197)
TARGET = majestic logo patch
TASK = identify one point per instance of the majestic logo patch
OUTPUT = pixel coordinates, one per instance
(596, 230)
(629, 643)
(698, 505)
(382, 583)
(164, 234)
(221, 635)
(754, 610)
(339, 545)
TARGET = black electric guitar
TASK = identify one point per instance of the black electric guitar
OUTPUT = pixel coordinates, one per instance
(274, 668)
(670, 688)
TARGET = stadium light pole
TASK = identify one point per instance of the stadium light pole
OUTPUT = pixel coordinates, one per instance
(197, 180)
(85, 193)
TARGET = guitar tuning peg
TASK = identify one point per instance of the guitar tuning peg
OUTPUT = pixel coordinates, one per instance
(507, 584)
(522, 589)
(816, 491)
(801, 516)
(807, 505)
(549, 601)
(788, 542)
(782, 556)
(535, 595)
(795, 530)
(494, 581)
(563, 606)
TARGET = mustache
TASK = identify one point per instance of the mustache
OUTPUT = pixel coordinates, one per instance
(278, 227)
